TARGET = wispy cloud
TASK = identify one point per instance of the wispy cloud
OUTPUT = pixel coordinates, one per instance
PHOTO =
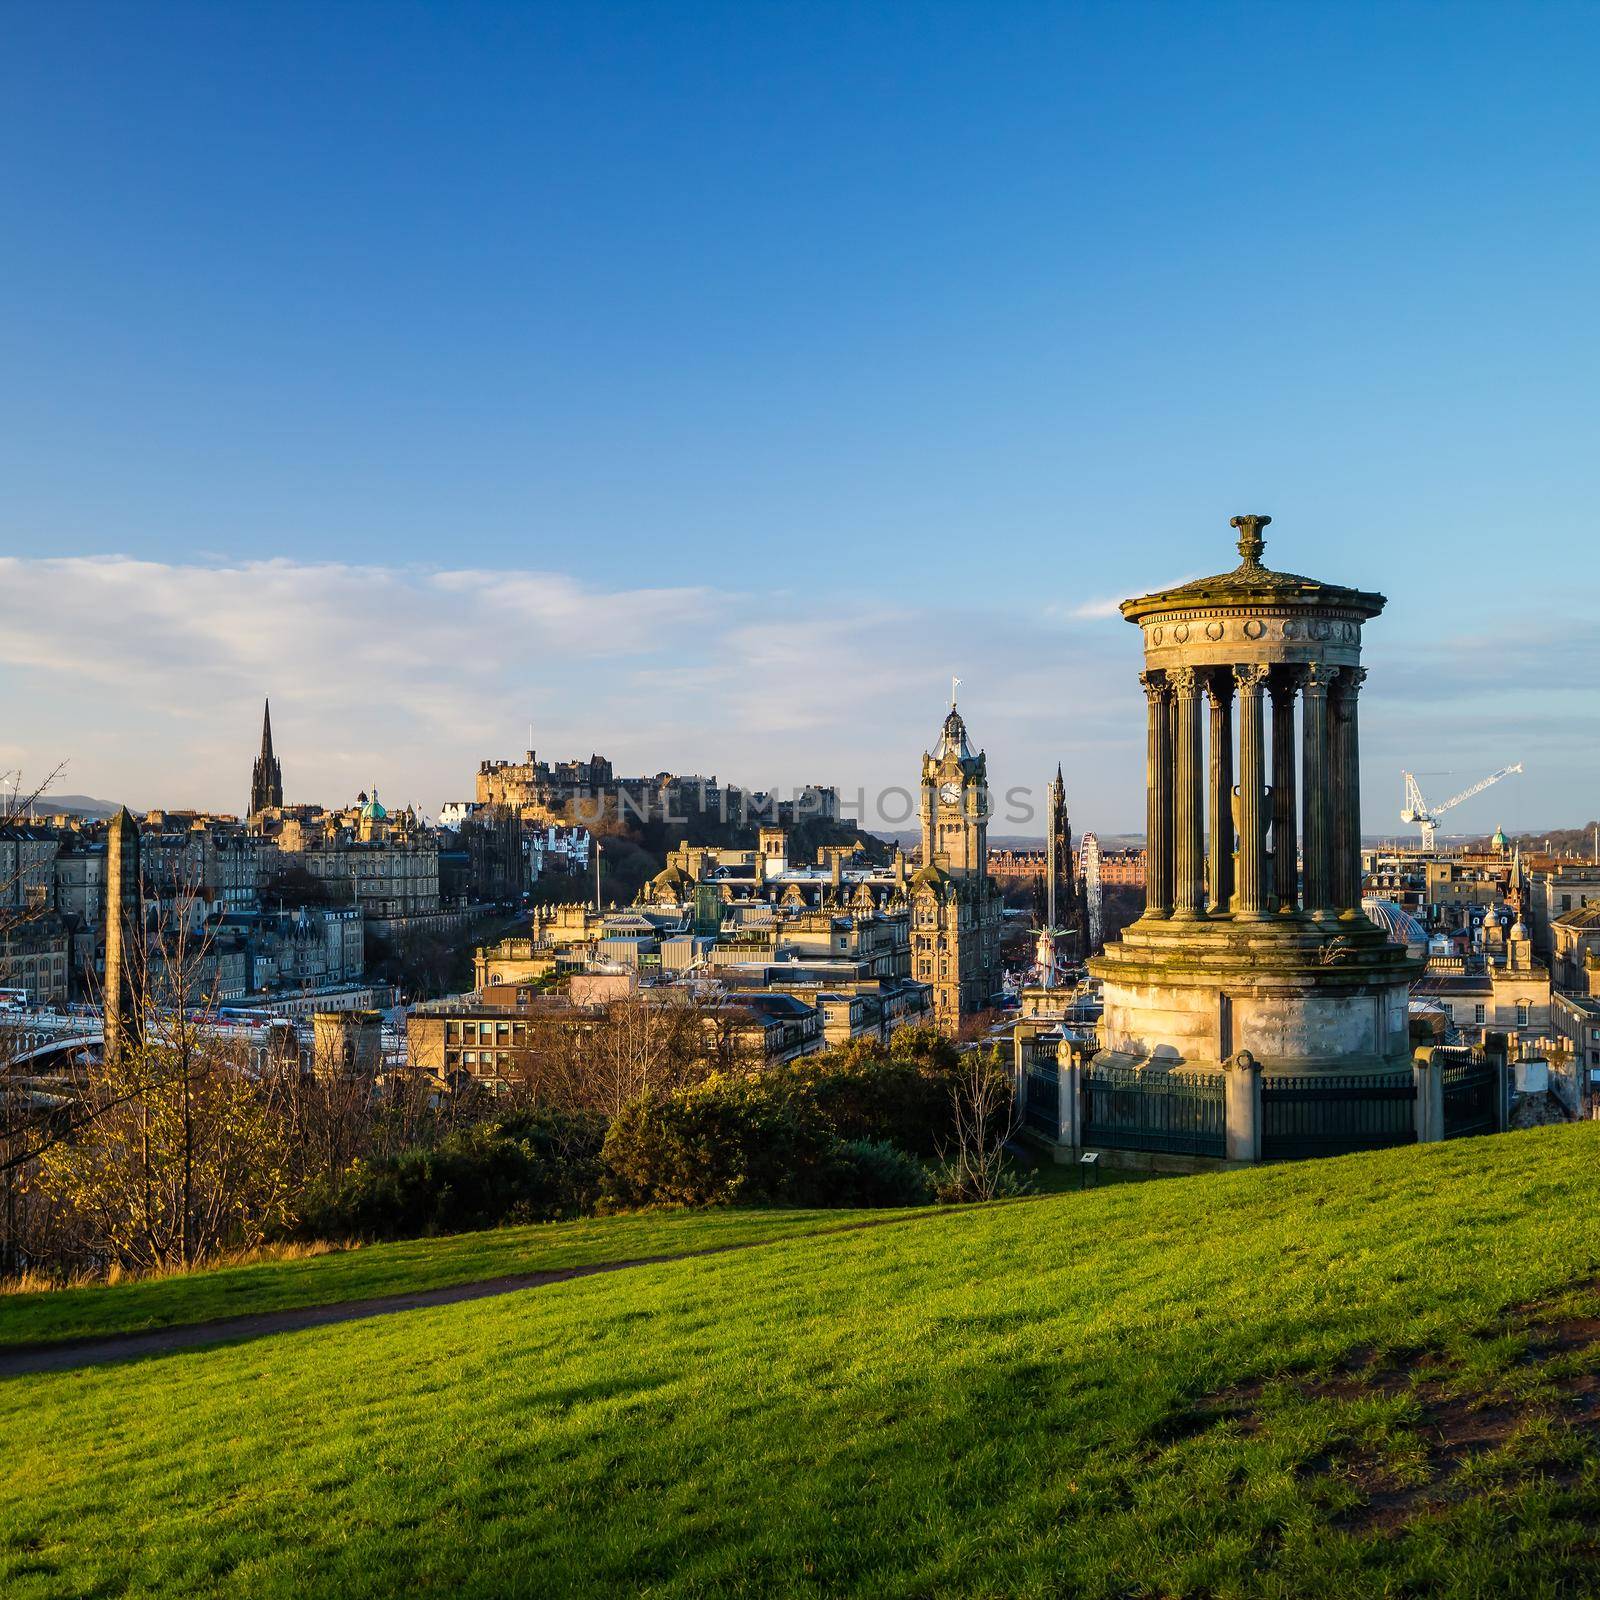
(1108, 607)
(1092, 610)
(149, 677)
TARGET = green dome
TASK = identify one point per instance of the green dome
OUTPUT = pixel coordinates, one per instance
(372, 811)
(1499, 841)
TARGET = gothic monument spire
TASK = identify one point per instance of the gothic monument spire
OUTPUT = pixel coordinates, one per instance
(266, 781)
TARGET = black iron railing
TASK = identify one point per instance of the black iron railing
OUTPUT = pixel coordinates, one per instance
(1328, 1116)
(1041, 1099)
(1180, 1113)
(1471, 1091)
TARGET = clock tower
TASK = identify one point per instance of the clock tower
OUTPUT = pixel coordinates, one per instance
(955, 904)
(955, 803)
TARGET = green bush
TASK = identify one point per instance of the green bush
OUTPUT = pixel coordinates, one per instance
(535, 1167)
(954, 1184)
(866, 1173)
(719, 1143)
(733, 1143)
(902, 1094)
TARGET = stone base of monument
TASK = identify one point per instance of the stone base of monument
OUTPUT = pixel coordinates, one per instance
(1300, 993)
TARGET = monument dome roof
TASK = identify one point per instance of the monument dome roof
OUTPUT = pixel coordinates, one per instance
(1251, 583)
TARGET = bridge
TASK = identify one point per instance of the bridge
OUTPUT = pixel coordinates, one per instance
(47, 1038)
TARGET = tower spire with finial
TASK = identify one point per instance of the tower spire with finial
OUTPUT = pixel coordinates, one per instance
(1251, 544)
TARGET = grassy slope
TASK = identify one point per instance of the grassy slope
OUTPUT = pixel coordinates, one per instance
(1027, 1399)
(382, 1269)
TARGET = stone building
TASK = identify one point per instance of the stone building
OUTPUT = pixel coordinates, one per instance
(1239, 957)
(1498, 986)
(1575, 1017)
(187, 857)
(841, 879)
(1122, 869)
(955, 904)
(347, 1044)
(489, 1038)
(28, 852)
(387, 863)
(80, 883)
(36, 957)
(1557, 887)
(588, 791)
(1575, 944)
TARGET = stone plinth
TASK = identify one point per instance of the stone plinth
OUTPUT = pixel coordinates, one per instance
(1299, 996)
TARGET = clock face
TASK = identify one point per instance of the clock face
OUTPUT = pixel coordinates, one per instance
(950, 793)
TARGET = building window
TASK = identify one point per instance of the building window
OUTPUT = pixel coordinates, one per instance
(1478, 1014)
(1522, 1013)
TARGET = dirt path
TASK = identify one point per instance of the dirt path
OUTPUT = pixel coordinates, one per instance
(159, 1341)
(100, 1350)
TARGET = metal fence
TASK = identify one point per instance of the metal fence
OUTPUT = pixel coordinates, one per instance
(1041, 1099)
(1471, 1092)
(1181, 1113)
(1330, 1116)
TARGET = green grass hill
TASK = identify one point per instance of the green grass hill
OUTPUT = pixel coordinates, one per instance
(1377, 1375)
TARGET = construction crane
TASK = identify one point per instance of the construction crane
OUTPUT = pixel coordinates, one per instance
(1426, 817)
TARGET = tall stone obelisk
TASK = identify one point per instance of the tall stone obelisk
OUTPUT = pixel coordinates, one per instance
(123, 911)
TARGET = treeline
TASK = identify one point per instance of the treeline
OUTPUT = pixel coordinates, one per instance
(181, 1151)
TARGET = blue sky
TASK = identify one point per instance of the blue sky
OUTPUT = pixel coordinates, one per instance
(706, 384)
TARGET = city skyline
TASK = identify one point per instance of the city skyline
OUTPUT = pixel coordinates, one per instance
(356, 711)
(709, 394)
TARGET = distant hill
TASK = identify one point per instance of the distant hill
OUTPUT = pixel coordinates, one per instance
(77, 805)
(1560, 841)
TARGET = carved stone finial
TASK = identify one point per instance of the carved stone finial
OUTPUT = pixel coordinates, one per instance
(1251, 544)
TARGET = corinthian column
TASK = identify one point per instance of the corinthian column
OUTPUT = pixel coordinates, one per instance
(1346, 756)
(1188, 798)
(1158, 798)
(1251, 901)
(1284, 847)
(1219, 685)
(1314, 736)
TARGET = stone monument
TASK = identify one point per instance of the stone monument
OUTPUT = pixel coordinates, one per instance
(1253, 946)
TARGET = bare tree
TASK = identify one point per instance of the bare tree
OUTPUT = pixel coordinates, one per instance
(601, 1061)
(186, 1151)
(983, 1113)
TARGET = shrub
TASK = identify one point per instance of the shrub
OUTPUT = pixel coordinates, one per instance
(866, 1173)
(535, 1167)
(719, 1143)
(903, 1094)
(731, 1142)
(953, 1184)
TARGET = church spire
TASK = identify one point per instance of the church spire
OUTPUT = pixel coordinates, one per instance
(266, 780)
